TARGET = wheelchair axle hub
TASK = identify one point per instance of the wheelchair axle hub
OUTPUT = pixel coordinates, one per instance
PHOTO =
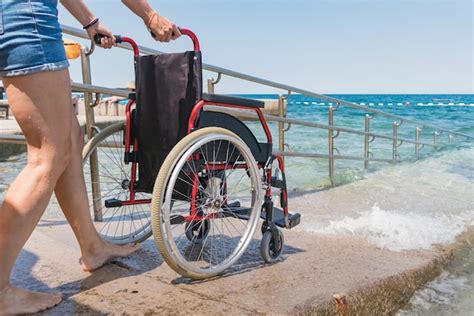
(126, 184)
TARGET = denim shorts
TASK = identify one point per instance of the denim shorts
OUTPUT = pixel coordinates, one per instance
(30, 38)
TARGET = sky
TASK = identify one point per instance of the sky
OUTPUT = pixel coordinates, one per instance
(325, 46)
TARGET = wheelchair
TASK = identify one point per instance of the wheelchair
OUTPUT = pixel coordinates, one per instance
(209, 193)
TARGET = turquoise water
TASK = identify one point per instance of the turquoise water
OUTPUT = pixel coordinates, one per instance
(433, 109)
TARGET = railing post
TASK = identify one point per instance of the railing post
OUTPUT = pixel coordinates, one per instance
(90, 123)
(435, 138)
(211, 83)
(281, 125)
(331, 144)
(417, 141)
(368, 117)
(210, 86)
(395, 145)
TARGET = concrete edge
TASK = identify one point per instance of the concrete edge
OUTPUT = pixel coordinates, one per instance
(389, 295)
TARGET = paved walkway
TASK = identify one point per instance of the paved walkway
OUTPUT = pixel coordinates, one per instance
(319, 273)
(314, 268)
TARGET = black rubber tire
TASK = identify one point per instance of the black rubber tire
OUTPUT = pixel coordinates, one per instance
(267, 250)
(159, 234)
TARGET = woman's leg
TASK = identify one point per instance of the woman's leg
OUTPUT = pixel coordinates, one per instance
(72, 196)
(42, 106)
(40, 103)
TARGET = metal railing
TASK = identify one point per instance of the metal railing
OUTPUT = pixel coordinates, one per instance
(92, 95)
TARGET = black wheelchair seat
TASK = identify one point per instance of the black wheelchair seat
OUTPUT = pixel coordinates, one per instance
(225, 99)
(260, 151)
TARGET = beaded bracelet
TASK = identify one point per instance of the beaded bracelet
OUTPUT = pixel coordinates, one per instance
(91, 23)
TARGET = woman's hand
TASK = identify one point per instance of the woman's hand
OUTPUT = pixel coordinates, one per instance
(162, 29)
(91, 24)
(109, 39)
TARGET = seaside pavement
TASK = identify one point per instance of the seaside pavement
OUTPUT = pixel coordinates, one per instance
(319, 273)
(313, 270)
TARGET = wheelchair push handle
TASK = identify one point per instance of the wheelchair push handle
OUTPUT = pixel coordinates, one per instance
(119, 39)
(188, 33)
(122, 39)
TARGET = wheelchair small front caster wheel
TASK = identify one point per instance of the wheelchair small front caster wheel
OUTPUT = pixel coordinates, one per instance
(268, 248)
(264, 228)
(197, 231)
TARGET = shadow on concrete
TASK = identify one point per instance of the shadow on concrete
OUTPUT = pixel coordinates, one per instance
(22, 276)
(250, 260)
(27, 274)
(146, 259)
(298, 193)
(140, 262)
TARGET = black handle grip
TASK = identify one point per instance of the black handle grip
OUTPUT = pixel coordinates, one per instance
(154, 35)
(98, 38)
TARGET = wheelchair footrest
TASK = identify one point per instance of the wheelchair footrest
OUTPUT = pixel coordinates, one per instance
(277, 183)
(236, 212)
(113, 203)
(278, 217)
(294, 220)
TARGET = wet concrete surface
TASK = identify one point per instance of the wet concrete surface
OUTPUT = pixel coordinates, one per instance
(319, 273)
(313, 269)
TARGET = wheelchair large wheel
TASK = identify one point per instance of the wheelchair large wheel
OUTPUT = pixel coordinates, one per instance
(107, 180)
(209, 183)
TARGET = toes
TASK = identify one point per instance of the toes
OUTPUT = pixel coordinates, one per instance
(133, 248)
(52, 300)
(59, 297)
(128, 249)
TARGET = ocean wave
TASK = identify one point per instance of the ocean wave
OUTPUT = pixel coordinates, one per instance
(399, 231)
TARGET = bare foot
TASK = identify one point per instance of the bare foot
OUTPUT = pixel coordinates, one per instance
(15, 301)
(103, 253)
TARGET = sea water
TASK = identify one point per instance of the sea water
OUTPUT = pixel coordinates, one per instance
(405, 226)
(455, 117)
(386, 228)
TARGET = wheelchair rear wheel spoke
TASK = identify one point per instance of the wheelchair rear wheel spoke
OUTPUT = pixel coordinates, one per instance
(120, 224)
(211, 233)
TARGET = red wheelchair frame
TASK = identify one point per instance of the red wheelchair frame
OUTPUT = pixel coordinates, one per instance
(131, 145)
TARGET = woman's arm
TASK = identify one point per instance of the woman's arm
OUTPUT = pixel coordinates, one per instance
(161, 27)
(82, 13)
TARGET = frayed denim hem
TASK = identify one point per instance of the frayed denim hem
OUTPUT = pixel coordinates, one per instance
(35, 69)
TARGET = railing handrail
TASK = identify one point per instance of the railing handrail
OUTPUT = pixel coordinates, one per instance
(274, 118)
(76, 86)
(248, 114)
(219, 70)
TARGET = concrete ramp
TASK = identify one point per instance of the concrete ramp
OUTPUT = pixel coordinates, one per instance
(313, 270)
(345, 258)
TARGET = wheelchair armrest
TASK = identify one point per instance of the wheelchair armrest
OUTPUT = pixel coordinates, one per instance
(218, 98)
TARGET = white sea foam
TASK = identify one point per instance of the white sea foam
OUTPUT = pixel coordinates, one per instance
(402, 231)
